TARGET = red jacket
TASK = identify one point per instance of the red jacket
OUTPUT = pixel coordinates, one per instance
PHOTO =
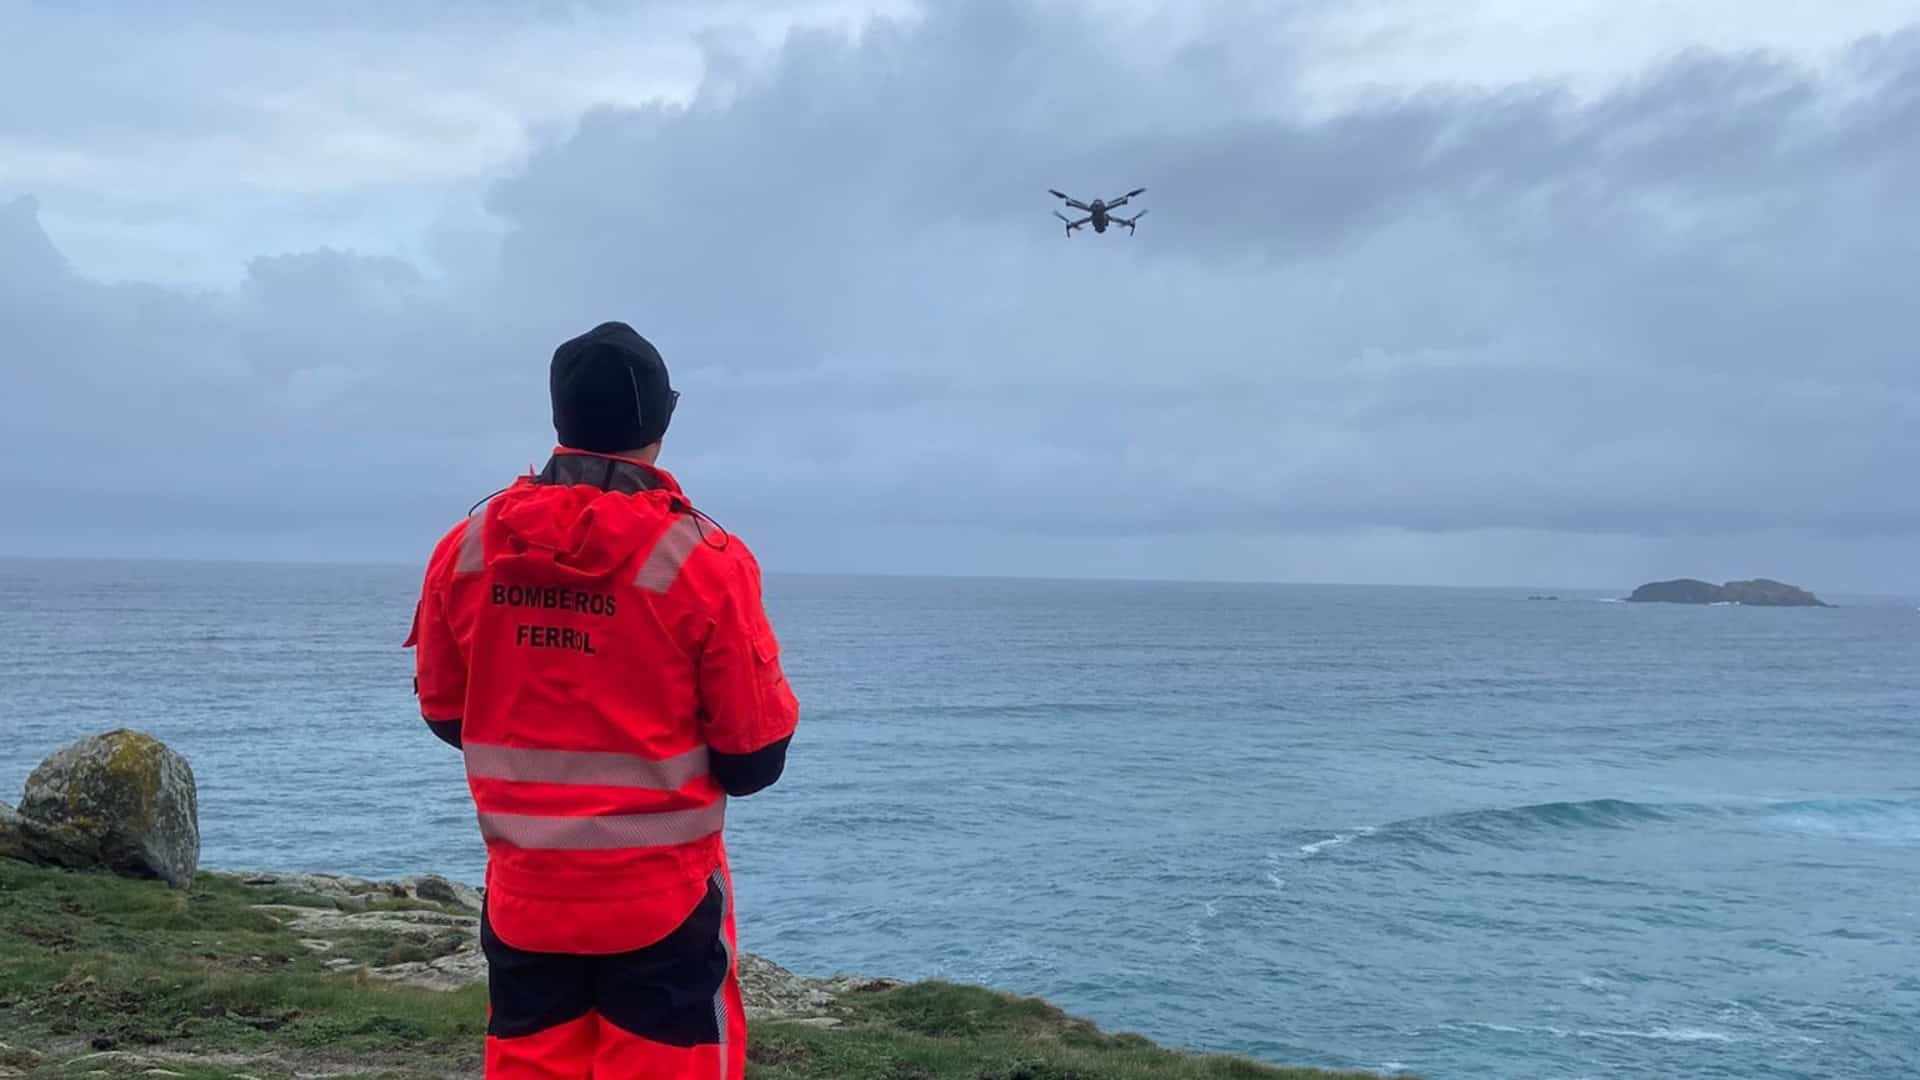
(600, 653)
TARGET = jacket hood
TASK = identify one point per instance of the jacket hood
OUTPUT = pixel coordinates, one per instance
(585, 515)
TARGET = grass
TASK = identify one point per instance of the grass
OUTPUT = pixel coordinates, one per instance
(942, 1031)
(100, 974)
(96, 963)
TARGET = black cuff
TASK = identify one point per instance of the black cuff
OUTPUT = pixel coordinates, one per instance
(447, 730)
(744, 774)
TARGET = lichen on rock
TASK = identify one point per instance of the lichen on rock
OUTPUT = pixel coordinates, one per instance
(127, 798)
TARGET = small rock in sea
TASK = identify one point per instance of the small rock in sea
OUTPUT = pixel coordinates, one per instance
(1759, 592)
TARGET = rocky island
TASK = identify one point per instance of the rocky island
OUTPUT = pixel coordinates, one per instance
(1758, 592)
(120, 957)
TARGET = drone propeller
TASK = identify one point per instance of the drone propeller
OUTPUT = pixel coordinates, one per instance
(1063, 217)
(1135, 191)
(1058, 194)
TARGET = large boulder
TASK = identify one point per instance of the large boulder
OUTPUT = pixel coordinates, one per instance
(121, 801)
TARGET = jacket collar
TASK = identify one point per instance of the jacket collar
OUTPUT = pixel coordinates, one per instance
(622, 476)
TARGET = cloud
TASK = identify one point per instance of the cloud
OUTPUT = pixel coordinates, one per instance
(295, 125)
(1662, 321)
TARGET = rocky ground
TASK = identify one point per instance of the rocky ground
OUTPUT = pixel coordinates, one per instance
(437, 944)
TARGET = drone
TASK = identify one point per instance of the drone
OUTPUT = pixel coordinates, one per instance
(1099, 212)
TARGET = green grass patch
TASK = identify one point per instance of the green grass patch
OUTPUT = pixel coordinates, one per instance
(942, 1031)
(96, 961)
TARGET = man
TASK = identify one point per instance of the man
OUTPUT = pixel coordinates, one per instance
(598, 651)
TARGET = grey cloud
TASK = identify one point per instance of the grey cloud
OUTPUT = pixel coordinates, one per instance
(1670, 313)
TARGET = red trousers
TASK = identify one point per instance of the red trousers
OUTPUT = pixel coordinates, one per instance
(669, 1011)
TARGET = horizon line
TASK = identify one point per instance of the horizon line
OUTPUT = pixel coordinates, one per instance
(191, 560)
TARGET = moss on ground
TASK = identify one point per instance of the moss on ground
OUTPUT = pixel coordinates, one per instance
(105, 975)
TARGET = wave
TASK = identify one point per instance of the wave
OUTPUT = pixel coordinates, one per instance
(1871, 819)
(1652, 1032)
(1656, 1033)
(1336, 841)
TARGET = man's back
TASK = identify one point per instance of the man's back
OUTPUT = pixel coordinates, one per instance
(599, 652)
(603, 647)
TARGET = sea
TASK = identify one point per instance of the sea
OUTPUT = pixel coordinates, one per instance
(1456, 832)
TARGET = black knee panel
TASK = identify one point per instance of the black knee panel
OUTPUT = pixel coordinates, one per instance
(669, 992)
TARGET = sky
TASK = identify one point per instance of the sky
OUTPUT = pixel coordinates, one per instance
(1482, 292)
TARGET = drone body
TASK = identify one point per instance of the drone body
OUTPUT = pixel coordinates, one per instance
(1099, 212)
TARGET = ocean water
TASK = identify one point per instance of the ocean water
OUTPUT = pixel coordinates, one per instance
(1450, 831)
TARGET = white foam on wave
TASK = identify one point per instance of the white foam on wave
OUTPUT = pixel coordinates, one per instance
(1341, 840)
(1656, 1034)
(1874, 822)
(1664, 1034)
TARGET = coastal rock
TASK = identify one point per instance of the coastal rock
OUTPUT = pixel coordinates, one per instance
(1681, 591)
(441, 891)
(1759, 592)
(771, 990)
(440, 950)
(352, 893)
(436, 950)
(122, 801)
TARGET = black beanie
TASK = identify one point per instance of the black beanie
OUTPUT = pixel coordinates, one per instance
(610, 391)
